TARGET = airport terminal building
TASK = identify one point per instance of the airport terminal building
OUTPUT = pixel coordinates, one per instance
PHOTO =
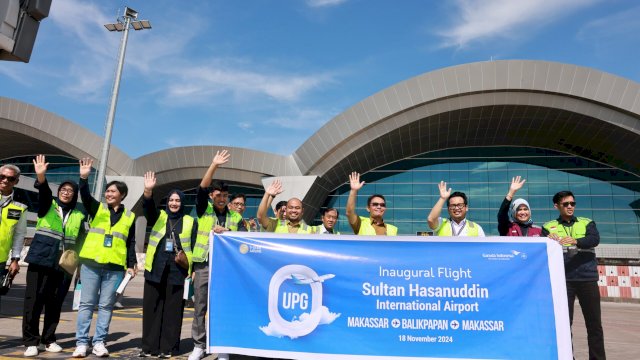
(475, 126)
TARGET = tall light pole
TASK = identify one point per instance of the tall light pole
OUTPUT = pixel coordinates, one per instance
(128, 19)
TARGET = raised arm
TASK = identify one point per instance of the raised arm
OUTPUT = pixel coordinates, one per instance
(90, 204)
(44, 191)
(270, 192)
(352, 215)
(503, 212)
(149, 208)
(432, 218)
(221, 158)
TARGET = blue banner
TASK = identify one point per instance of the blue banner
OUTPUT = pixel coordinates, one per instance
(358, 297)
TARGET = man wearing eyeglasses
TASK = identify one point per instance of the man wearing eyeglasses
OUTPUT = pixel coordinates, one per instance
(376, 206)
(579, 237)
(13, 222)
(457, 224)
(238, 203)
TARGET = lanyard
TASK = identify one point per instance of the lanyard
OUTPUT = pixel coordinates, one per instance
(172, 225)
(570, 232)
(453, 230)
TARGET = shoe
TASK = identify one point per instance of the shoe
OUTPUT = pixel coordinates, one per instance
(80, 351)
(197, 354)
(31, 351)
(100, 350)
(53, 347)
(164, 356)
(118, 305)
(144, 354)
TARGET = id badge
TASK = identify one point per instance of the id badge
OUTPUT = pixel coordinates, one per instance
(168, 246)
(108, 240)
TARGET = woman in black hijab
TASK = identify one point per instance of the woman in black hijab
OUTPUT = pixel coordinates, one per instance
(167, 265)
(58, 226)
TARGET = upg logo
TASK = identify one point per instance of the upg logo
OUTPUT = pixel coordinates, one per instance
(295, 302)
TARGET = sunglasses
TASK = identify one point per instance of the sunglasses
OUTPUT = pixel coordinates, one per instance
(8, 178)
(569, 203)
(376, 204)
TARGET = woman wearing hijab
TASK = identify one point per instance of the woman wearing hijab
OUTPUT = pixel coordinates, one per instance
(514, 217)
(167, 265)
(57, 228)
(107, 251)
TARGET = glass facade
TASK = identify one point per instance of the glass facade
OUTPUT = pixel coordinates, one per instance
(607, 195)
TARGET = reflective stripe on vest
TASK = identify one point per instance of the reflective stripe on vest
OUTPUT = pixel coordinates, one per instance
(158, 232)
(283, 228)
(367, 229)
(51, 225)
(206, 222)
(446, 230)
(577, 230)
(8, 227)
(94, 249)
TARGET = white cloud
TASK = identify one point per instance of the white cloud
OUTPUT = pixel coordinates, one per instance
(324, 3)
(301, 119)
(481, 19)
(190, 83)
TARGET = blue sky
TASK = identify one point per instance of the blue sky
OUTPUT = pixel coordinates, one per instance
(266, 74)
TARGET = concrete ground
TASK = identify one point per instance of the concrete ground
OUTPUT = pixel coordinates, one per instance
(621, 322)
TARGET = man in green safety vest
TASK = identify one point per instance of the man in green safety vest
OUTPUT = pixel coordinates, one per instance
(579, 237)
(376, 206)
(13, 222)
(292, 223)
(457, 224)
(213, 216)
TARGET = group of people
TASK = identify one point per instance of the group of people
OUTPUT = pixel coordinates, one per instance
(178, 249)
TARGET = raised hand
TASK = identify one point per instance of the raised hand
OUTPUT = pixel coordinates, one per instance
(222, 157)
(444, 192)
(85, 167)
(354, 181)
(516, 184)
(149, 180)
(40, 165)
(275, 188)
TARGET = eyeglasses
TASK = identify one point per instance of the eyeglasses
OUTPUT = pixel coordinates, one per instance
(376, 204)
(456, 206)
(569, 203)
(8, 178)
(237, 204)
(66, 191)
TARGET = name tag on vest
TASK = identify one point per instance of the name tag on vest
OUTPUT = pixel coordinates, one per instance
(14, 214)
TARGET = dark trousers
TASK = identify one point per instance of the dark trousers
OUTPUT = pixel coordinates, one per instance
(46, 288)
(589, 297)
(162, 308)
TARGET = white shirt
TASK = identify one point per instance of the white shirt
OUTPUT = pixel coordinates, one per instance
(458, 229)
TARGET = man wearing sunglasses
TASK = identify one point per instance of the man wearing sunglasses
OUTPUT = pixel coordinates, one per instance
(376, 206)
(13, 222)
(579, 237)
(457, 224)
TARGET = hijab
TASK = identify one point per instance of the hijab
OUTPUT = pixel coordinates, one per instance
(515, 204)
(178, 214)
(74, 200)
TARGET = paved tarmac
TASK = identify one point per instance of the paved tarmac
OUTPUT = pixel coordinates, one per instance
(621, 322)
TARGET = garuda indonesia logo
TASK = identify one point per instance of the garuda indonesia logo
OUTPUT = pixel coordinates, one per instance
(296, 291)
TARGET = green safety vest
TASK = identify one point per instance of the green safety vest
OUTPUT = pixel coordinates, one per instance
(94, 249)
(367, 229)
(283, 228)
(577, 230)
(158, 232)
(445, 228)
(317, 229)
(206, 222)
(51, 225)
(10, 215)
